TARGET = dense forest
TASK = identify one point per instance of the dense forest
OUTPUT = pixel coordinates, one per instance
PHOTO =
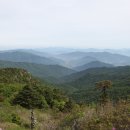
(83, 83)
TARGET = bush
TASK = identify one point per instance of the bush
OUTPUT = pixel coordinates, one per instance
(15, 119)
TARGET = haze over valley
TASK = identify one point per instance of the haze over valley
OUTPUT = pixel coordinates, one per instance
(51, 64)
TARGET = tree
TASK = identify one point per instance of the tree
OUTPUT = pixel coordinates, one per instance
(30, 98)
(103, 86)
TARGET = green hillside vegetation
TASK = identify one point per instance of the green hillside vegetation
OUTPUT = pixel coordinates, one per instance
(93, 64)
(20, 84)
(39, 70)
(88, 77)
(84, 82)
(20, 88)
(53, 110)
(15, 75)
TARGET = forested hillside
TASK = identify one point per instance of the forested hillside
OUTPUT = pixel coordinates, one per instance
(20, 88)
(97, 87)
(39, 70)
(15, 75)
(84, 83)
(93, 64)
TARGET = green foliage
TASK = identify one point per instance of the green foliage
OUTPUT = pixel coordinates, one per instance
(15, 119)
(8, 90)
(29, 97)
(41, 97)
(85, 81)
(59, 104)
(4, 117)
(103, 86)
(70, 104)
(19, 87)
(15, 75)
(25, 91)
(55, 98)
(98, 118)
(42, 71)
(71, 118)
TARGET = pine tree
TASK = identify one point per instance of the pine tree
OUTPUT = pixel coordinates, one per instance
(103, 86)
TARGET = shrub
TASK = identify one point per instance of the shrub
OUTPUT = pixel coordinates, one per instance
(15, 119)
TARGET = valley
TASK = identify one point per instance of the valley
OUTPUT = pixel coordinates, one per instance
(61, 89)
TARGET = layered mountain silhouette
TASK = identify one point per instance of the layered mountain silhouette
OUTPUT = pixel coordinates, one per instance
(75, 58)
(39, 70)
(20, 56)
(93, 64)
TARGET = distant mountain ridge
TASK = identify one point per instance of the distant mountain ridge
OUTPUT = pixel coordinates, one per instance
(39, 70)
(19, 56)
(70, 59)
(93, 64)
(106, 57)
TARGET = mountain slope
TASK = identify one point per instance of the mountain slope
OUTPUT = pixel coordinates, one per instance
(75, 59)
(115, 59)
(88, 78)
(19, 56)
(44, 55)
(39, 70)
(81, 85)
(81, 61)
(15, 75)
(94, 64)
(106, 57)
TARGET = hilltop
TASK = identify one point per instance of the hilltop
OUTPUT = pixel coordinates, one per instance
(15, 75)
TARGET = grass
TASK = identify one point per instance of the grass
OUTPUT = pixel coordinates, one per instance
(81, 117)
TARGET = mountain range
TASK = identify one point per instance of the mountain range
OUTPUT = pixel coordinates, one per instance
(53, 66)
(72, 70)
(81, 85)
(86, 57)
(69, 59)
(22, 56)
(39, 70)
(93, 64)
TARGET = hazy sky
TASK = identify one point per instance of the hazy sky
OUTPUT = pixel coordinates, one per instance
(67, 23)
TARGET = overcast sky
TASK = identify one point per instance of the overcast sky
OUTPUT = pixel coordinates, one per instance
(64, 23)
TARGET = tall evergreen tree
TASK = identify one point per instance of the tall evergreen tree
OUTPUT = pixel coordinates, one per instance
(103, 86)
